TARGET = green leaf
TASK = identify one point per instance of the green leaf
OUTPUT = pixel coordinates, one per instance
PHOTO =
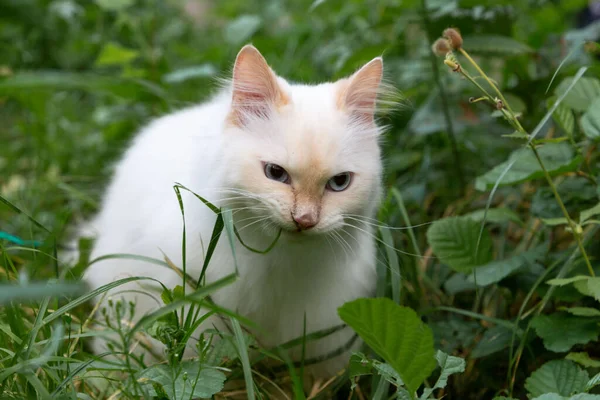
(585, 91)
(25, 82)
(242, 348)
(241, 29)
(115, 54)
(114, 5)
(558, 158)
(566, 281)
(498, 270)
(563, 116)
(583, 359)
(555, 221)
(590, 121)
(551, 328)
(396, 333)
(190, 380)
(454, 242)
(449, 365)
(494, 340)
(188, 73)
(495, 44)
(563, 377)
(495, 215)
(589, 287)
(589, 213)
(393, 262)
(359, 365)
(593, 382)
(582, 311)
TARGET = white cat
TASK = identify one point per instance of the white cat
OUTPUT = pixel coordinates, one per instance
(303, 159)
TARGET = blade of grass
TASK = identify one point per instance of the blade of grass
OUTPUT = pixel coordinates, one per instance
(393, 263)
(243, 354)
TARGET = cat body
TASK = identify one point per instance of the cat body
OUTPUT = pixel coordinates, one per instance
(300, 159)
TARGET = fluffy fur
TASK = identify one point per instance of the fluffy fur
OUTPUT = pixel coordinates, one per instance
(218, 150)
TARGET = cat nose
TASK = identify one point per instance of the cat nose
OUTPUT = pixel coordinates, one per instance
(305, 220)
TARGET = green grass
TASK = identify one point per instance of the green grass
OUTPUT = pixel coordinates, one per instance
(77, 79)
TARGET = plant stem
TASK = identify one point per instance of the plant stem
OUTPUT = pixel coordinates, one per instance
(520, 128)
(444, 99)
(564, 211)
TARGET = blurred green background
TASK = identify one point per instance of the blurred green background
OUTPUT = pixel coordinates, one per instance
(78, 78)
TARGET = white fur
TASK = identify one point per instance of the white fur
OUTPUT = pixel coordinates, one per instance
(312, 272)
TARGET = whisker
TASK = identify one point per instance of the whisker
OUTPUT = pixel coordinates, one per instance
(387, 245)
(378, 225)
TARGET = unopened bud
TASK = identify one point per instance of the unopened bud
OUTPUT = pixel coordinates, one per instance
(454, 38)
(455, 67)
(441, 47)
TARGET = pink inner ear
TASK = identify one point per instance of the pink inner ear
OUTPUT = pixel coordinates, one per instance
(360, 94)
(256, 91)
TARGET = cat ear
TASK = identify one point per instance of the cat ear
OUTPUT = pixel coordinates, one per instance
(255, 88)
(358, 94)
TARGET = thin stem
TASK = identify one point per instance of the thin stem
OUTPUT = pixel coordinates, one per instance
(444, 99)
(564, 211)
(520, 128)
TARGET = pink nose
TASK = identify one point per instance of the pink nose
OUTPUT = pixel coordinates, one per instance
(306, 220)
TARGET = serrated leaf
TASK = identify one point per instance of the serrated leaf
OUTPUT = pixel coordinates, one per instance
(563, 116)
(454, 242)
(583, 359)
(562, 377)
(589, 213)
(558, 158)
(495, 44)
(189, 380)
(589, 287)
(495, 215)
(590, 121)
(449, 365)
(396, 333)
(114, 5)
(585, 91)
(551, 328)
(497, 270)
(115, 54)
(241, 29)
(582, 311)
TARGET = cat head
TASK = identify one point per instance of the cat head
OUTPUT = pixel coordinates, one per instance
(306, 157)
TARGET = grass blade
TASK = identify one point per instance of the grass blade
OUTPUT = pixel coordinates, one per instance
(393, 263)
(243, 354)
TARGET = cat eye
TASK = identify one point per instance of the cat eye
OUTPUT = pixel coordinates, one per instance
(276, 173)
(340, 182)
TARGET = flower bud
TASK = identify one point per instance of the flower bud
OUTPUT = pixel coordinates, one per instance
(454, 38)
(455, 67)
(441, 47)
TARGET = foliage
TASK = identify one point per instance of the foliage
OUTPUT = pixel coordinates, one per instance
(491, 215)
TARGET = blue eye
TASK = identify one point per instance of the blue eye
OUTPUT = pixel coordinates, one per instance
(276, 173)
(340, 182)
